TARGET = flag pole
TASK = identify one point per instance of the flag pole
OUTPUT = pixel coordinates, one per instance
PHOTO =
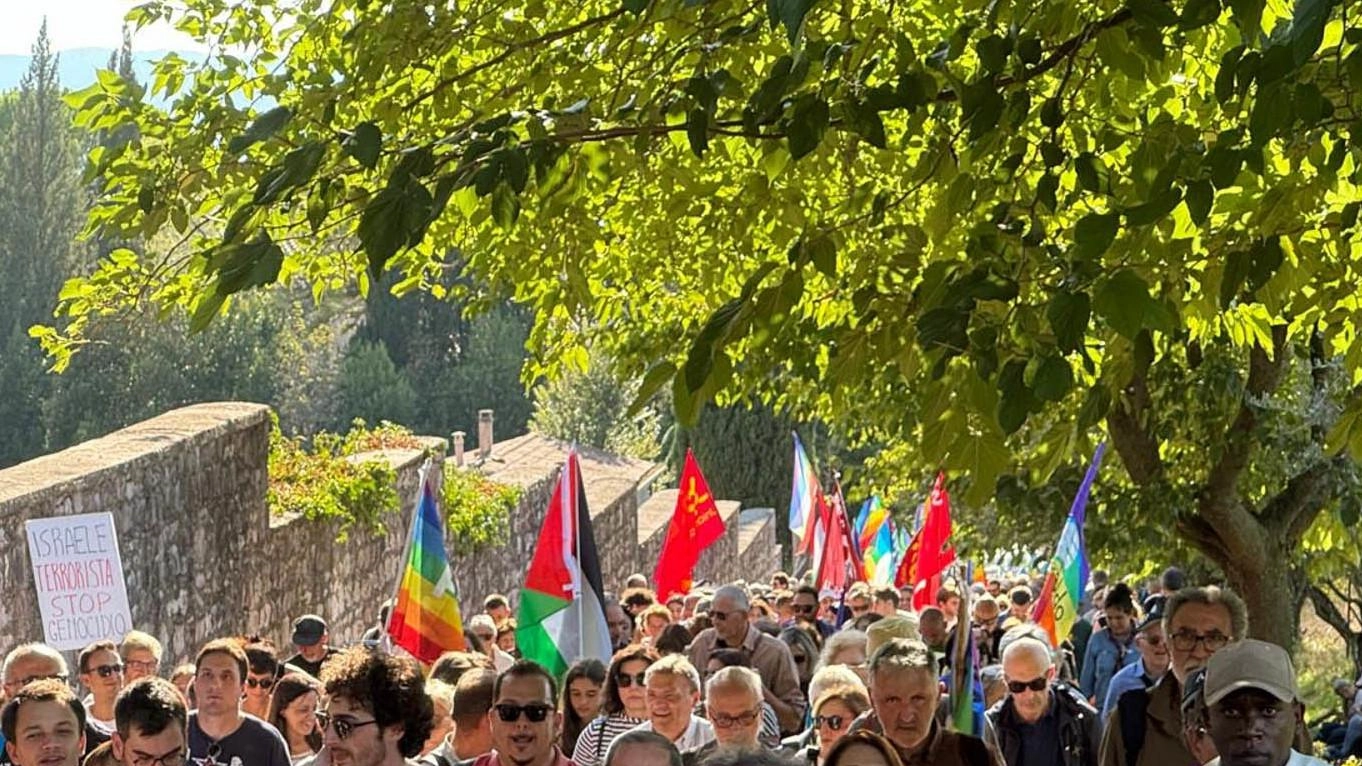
(423, 475)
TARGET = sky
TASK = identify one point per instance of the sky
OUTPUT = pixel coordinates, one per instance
(80, 24)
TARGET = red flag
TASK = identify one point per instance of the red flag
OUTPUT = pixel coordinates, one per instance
(906, 574)
(936, 552)
(838, 567)
(695, 526)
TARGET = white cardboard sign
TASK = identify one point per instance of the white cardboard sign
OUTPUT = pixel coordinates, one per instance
(79, 578)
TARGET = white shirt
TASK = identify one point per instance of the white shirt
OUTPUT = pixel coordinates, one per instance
(698, 734)
(1295, 759)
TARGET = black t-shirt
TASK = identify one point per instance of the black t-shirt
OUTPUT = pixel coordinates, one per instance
(313, 669)
(254, 743)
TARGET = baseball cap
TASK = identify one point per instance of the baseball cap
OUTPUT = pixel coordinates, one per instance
(308, 630)
(1251, 664)
(1153, 613)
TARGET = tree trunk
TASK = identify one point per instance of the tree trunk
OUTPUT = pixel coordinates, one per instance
(1268, 587)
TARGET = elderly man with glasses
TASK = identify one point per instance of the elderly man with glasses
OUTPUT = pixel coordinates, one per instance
(1146, 727)
(1040, 722)
(770, 657)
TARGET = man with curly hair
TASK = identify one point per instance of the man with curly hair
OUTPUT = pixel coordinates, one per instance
(378, 715)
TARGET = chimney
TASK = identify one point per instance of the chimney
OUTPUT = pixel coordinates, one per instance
(457, 439)
(484, 434)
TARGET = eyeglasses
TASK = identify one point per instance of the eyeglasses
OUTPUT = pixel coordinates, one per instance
(1152, 640)
(535, 712)
(725, 721)
(343, 726)
(141, 667)
(833, 722)
(624, 680)
(714, 615)
(104, 671)
(1186, 640)
(173, 758)
(20, 683)
(1035, 685)
(263, 683)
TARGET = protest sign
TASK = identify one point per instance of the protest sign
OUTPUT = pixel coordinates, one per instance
(79, 578)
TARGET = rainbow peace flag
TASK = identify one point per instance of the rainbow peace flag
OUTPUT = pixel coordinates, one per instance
(425, 618)
(804, 494)
(879, 557)
(873, 515)
(1057, 608)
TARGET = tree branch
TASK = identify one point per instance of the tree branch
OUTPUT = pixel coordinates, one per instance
(1203, 536)
(1138, 449)
(1265, 374)
(1290, 512)
(1328, 611)
(1061, 52)
(544, 39)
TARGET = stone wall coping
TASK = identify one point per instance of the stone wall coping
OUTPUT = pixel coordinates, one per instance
(203, 423)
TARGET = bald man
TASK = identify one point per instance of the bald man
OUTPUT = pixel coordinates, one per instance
(1041, 721)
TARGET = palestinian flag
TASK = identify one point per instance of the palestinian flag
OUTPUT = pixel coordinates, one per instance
(562, 614)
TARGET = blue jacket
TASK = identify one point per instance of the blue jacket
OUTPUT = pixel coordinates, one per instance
(1128, 678)
(1103, 657)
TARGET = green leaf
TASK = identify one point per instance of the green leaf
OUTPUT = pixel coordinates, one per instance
(505, 206)
(1199, 198)
(697, 131)
(250, 265)
(1053, 378)
(265, 125)
(653, 381)
(1046, 188)
(391, 220)
(206, 310)
(1068, 314)
(993, 52)
(1307, 28)
(685, 402)
(1095, 406)
(981, 106)
(1092, 172)
(364, 144)
(635, 6)
(1265, 257)
(789, 13)
(1124, 302)
(1198, 13)
(1094, 234)
(1155, 209)
(1236, 271)
(1052, 112)
(945, 327)
(807, 123)
(1152, 13)
(822, 251)
(1224, 78)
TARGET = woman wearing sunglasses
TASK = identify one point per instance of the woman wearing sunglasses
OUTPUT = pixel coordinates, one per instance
(833, 713)
(293, 711)
(626, 705)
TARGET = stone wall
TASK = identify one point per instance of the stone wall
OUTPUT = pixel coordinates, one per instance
(202, 557)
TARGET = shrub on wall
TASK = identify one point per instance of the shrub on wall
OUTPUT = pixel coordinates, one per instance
(477, 509)
(322, 483)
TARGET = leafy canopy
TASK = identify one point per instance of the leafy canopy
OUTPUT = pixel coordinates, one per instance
(925, 222)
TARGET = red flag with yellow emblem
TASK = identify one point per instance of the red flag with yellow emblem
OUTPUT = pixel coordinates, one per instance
(695, 526)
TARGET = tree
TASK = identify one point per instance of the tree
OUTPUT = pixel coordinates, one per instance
(977, 233)
(372, 389)
(588, 407)
(40, 214)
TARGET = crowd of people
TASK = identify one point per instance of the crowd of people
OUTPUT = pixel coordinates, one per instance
(762, 674)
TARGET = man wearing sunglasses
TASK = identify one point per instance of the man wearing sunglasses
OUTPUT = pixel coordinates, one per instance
(805, 608)
(673, 686)
(378, 713)
(525, 719)
(1146, 728)
(101, 672)
(1040, 722)
(1153, 649)
(262, 669)
(36, 662)
(219, 733)
(151, 724)
(770, 656)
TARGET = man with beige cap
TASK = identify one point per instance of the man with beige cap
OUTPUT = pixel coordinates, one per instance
(1252, 705)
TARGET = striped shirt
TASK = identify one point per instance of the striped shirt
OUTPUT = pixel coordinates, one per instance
(595, 739)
